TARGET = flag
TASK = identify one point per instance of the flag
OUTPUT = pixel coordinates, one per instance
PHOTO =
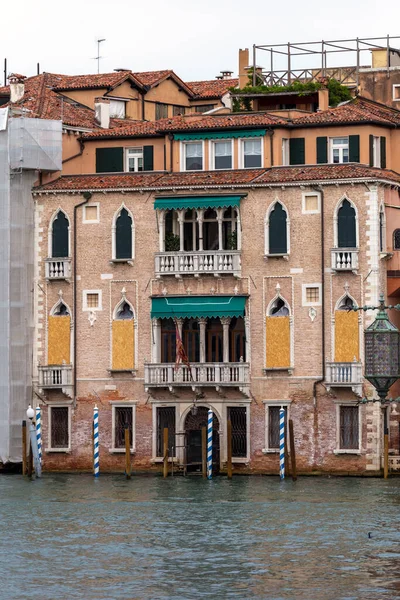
(181, 356)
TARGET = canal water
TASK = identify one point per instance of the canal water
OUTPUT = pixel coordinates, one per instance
(71, 536)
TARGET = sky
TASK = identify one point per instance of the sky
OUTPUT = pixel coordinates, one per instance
(195, 38)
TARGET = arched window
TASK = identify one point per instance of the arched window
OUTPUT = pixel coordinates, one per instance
(60, 310)
(347, 331)
(382, 228)
(60, 236)
(278, 337)
(346, 226)
(59, 335)
(396, 239)
(346, 303)
(123, 337)
(123, 235)
(277, 230)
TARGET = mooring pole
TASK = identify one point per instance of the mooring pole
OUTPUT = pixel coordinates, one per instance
(30, 459)
(385, 445)
(24, 447)
(292, 450)
(96, 455)
(210, 419)
(229, 448)
(128, 468)
(282, 443)
(204, 452)
(165, 453)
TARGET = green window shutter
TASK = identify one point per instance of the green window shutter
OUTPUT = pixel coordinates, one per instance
(109, 160)
(354, 148)
(297, 151)
(383, 152)
(148, 158)
(322, 150)
(371, 150)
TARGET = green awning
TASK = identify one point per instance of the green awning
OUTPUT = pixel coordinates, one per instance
(187, 202)
(197, 307)
(220, 135)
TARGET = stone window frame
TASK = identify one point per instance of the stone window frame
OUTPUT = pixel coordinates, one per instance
(50, 406)
(290, 368)
(86, 221)
(162, 404)
(396, 92)
(304, 195)
(114, 233)
(286, 403)
(127, 404)
(336, 223)
(338, 450)
(306, 286)
(224, 428)
(50, 233)
(266, 230)
(87, 308)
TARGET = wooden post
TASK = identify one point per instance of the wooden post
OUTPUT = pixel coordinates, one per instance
(292, 450)
(165, 453)
(128, 467)
(30, 459)
(385, 455)
(204, 452)
(229, 448)
(23, 447)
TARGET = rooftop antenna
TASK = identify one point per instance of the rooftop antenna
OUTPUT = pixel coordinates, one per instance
(98, 57)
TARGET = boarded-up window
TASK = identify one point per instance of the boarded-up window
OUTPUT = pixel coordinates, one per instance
(347, 345)
(349, 428)
(59, 337)
(278, 336)
(123, 339)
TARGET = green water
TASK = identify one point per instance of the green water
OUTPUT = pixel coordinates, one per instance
(71, 536)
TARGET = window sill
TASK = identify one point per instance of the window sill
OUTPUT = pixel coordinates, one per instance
(349, 451)
(120, 451)
(284, 256)
(132, 371)
(159, 459)
(272, 369)
(65, 450)
(270, 450)
(128, 261)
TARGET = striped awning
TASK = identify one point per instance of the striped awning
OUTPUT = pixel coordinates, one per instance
(220, 135)
(196, 307)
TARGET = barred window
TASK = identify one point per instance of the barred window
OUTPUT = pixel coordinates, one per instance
(312, 294)
(92, 300)
(349, 429)
(123, 416)
(273, 426)
(238, 418)
(59, 428)
(165, 419)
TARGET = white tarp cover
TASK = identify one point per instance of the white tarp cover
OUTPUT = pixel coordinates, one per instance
(35, 144)
(3, 118)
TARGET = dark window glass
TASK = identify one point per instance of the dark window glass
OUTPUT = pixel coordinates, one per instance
(214, 341)
(252, 153)
(381, 231)
(347, 226)
(277, 230)
(60, 226)
(59, 427)
(349, 428)
(123, 416)
(223, 155)
(123, 235)
(237, 349)
(238, 418)
(273, 426)
(168, 341)
(165, 419)
(194, 157)
(191, 339)
(396, 239)
(178, 110)
(161, 111)
(203, 108)
(124, 313)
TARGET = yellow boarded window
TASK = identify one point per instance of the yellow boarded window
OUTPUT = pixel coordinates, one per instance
(123, 345)
(59, 340)
(278, 342)
(347, 343)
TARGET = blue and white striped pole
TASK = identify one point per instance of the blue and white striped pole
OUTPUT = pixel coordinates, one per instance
(96, 460)
(39, 432)
(282, 442)
(209, 443)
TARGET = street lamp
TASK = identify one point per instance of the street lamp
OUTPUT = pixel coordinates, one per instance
(382, 361)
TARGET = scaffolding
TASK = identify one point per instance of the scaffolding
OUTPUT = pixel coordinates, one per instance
(320, 51)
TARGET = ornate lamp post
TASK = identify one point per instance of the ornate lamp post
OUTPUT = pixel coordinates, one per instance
(382, 362)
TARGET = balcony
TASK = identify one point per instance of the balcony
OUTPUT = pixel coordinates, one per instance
(218, 262)
(217, 375)
(58, 268)
(344, 259)
(56, 377)
(344, 375)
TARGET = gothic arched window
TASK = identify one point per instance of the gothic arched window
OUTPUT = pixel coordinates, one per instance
(60, 236)
(346, 224)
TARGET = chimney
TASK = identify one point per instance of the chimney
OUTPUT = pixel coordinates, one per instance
(243, 63)
(225, 75)
(102, 112)
(323, 99)
(17, 87)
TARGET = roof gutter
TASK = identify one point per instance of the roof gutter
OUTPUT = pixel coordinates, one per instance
(82, 147)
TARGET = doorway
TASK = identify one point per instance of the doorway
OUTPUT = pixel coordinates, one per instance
(193, 426)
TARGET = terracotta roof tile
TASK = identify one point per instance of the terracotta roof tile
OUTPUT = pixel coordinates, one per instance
(226, 179)
(214, 88)
(153, 77)
(92, 81)
(355, 111)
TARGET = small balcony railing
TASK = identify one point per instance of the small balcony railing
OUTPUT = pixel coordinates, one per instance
(342, 374)
(58, 268)
(201, 374)
(344, 259)
(56, 377)
(216, 262)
